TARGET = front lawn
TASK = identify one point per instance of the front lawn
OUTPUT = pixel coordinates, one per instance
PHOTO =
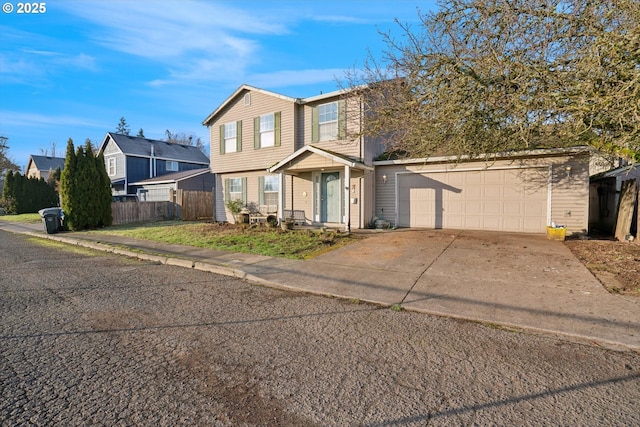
(29, 217)
(261, 240)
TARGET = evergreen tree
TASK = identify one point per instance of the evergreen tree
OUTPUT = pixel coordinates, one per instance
(68, 187)
(123, 128)
(103, 193)
(85, 189)
(140, 133)
(8, 193)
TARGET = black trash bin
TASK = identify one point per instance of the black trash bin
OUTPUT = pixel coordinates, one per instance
(52, 218)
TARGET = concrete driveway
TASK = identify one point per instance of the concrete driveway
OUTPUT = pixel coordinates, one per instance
(513, 280)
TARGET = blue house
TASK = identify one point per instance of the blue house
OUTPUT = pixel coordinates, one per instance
(130, 159)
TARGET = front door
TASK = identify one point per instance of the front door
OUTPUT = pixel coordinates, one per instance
(330, 197)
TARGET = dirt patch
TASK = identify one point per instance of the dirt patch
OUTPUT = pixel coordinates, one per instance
(616, 264)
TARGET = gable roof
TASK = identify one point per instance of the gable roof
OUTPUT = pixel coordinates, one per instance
(239, 91)
(45, 163)
(336, 157)
(144, 147)
(173, 177)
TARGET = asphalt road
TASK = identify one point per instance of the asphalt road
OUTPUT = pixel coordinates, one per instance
(94, 339)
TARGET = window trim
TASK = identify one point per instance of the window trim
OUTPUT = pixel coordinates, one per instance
(172, 166)
(111, 164)
(316, 124)
(223, 138)
(258, 133)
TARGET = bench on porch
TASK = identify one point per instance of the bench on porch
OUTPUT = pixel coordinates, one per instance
(298, 215)
(262, 213)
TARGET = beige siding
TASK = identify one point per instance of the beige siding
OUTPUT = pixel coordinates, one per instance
(567, 193)
(351, 148)
(302, 192)
(33, 171)
(570, 193)
(250, 158)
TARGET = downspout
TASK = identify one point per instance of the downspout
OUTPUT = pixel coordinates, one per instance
(347, 199)
(151, 163)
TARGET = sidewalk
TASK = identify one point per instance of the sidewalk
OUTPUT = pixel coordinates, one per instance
(516, 281)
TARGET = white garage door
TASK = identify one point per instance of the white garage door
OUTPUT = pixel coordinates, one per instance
(500, 200)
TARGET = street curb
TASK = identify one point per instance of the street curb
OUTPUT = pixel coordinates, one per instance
(240, 274)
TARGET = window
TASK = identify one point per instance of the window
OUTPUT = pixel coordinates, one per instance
(269, 190)
(266, 130)
(111, 166)
(267, 126)
(247, 99)
(172, 166)
(234, 188)
(328, 121)
(230, 135)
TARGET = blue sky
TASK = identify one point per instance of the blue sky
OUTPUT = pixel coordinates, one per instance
(74, 70)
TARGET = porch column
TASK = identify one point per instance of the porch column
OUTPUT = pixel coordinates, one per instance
(280, 197)
(347, 199)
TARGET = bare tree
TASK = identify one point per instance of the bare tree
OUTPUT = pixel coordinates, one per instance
(185, 139)
(486, 76)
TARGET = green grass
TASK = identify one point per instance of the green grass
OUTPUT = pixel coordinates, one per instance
(30, 217)
(294, 244)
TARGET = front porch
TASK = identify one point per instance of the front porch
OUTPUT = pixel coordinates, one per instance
(331, 189)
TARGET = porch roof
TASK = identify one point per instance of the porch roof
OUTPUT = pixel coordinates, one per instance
(311, 150)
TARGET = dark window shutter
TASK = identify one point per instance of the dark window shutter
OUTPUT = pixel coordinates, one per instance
(227, 196)
(256, 132)
(239, 136)
(244, 191)
(221, 139)
(276, 128)
(261, 190)
(315, 131)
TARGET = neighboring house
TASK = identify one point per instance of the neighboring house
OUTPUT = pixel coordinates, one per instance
(160, 188)
(131, 159)
(43, 166)
(270, 149)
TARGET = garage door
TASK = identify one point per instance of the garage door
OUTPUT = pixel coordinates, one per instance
(500, 200)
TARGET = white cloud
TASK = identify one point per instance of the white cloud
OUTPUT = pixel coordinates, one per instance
(15, 118)
(166, 30)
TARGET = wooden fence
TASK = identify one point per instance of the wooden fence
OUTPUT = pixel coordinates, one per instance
(185, 205)
(194, 205)
(132, 212)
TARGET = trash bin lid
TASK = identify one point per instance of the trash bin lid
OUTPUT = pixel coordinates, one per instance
(50, 211)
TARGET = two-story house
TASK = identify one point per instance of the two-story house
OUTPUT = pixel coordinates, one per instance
(270, 149)
(129, 160)
(297, 154)
(43, 166)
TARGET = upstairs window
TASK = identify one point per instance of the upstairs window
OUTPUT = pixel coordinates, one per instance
(231, 137)
(266, 130)
(111, 168)
(172, 166)
(328, 121)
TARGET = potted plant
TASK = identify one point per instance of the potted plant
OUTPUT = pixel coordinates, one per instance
(235, 207)
(287, 223)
